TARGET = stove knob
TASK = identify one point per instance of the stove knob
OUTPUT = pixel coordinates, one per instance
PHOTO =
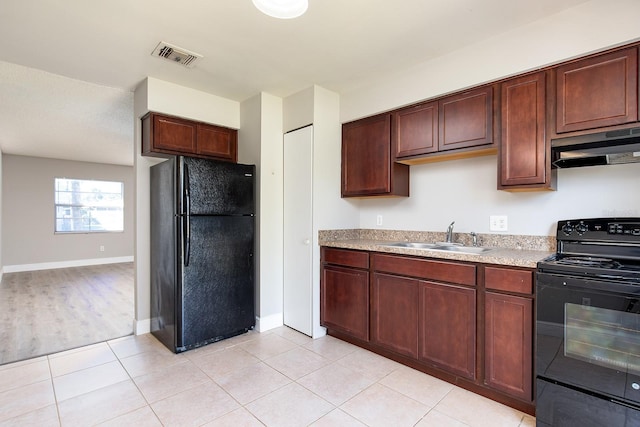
(567, 228)
(582, 228)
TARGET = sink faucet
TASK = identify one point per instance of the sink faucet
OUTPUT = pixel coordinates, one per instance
(449, 238)
(474, 238)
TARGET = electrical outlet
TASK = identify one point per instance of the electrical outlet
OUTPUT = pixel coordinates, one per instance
(498, 223)
(101, 248)
(379, 220)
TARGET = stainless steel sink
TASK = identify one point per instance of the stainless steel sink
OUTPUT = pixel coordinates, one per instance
(442, 247)
(464, 249)
(413, 245)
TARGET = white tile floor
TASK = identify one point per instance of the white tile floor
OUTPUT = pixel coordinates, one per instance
(277, 378)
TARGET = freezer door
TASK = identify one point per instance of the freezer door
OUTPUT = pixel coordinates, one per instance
(218, 283)
(163, 253)
(219, 188)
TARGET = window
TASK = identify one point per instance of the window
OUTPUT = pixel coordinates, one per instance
(86, 206)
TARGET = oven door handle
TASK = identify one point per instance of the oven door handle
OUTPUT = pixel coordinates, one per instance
(610, 286)
(611, 276)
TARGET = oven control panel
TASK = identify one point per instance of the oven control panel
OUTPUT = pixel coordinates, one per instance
(629, 229)
(600, 229)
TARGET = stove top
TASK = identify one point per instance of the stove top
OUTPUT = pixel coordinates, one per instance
(591, 266)
(599, 247)
(588, 261)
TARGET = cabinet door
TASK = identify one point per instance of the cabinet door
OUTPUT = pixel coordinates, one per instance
(218, 142)
(173, 134)
(368, 168)
(415, 130)
(394, 313)
(597, 92)
(509, 344)
(344, 300)
(466, 119)
(447, 328)
(524, 153)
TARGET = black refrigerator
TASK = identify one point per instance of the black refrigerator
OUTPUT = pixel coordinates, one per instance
(202, 251)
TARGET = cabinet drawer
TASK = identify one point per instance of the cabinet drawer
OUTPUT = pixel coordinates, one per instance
(345, 257)
(510, 280)
(462, 274)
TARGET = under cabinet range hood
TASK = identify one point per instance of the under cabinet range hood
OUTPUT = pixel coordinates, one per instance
(602, 148)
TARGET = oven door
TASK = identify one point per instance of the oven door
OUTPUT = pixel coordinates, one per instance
(588, 336)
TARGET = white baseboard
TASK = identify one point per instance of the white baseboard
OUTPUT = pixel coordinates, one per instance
(319, 331)
(269, 322)
(65, 264)
(141, 326)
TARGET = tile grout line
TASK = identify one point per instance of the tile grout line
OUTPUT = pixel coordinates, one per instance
(134, 384)
(53, 388)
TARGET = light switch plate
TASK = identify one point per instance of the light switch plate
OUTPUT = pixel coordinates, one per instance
(498, 223)
(379, 220)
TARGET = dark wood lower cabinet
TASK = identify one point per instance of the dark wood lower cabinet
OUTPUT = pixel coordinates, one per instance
(508, 344)
(345, 300)
(344, 292)
(467, 323)
(394, 313)
(448, 327)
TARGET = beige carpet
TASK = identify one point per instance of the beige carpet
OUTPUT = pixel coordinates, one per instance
(47, 311)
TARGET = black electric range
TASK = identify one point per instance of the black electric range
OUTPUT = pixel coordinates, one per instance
(588, 325)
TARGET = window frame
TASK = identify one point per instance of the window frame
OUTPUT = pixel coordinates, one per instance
(89, 206)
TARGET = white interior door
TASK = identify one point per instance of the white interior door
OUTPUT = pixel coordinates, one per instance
(298, 239)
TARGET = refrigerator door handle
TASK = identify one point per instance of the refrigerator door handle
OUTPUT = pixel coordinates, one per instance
(187, 223)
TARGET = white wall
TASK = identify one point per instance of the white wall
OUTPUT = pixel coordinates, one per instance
(164, 97)
(249, 153)
(588, 27)
(1, 227)
(465, 190)
(321, 108)
(330, 211)
(29, 241)
(261, 143)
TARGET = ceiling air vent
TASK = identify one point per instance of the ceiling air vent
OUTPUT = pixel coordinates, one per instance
(176, 54)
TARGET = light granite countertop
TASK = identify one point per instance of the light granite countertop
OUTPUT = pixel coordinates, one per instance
(511, 250)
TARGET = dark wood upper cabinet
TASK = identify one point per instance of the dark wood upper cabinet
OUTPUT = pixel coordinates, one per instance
(524, 160)
(597, 92)
(164, 136)
(466, 119)
(171, 134)
(415, 130)
(368, 162)
(218, 142)
(517, 117)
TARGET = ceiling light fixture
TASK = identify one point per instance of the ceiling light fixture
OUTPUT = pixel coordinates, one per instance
(283, 9)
